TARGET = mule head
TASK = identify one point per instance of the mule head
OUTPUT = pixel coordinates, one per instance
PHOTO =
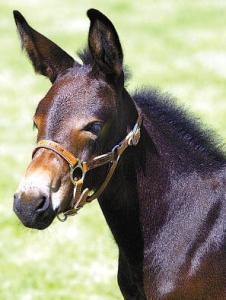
(82, 111)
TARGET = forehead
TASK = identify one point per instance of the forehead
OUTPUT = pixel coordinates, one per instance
(79, 95)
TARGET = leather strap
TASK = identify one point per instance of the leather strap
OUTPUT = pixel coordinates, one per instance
(81, 197)
(55, 147)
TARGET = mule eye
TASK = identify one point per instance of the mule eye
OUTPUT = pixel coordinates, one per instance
(94, 128)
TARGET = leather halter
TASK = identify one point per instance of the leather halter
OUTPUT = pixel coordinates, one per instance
(78, 168)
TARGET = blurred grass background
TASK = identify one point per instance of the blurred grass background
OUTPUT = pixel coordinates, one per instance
(177, 46)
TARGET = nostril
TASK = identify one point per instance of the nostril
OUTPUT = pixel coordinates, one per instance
(16, 197)
(43, 204)
(16, 202)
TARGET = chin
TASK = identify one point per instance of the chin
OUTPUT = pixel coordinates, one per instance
(39, 224)
(36, 221)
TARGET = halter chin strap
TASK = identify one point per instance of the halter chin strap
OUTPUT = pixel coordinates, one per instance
(78, 168)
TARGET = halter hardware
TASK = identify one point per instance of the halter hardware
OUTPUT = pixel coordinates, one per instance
(78, 168)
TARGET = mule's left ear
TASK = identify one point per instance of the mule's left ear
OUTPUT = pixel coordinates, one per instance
(47, 58)
(104, 45)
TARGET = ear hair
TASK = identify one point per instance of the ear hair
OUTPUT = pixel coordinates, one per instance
(104, 45)
(47, 58)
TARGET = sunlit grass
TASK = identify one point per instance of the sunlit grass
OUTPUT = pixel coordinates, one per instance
(178, 46)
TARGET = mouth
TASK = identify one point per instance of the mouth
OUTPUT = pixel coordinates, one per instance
(63, 203)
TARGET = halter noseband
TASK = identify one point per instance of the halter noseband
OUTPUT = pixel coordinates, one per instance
(78, 168)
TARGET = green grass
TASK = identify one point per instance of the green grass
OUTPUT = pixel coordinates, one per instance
(177, 46)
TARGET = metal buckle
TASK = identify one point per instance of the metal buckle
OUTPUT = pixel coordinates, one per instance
(135, 137)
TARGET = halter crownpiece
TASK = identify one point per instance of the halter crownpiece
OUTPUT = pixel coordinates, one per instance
(78, 168)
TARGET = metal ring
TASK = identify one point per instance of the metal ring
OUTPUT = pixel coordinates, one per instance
(61, 217)
(77, 166)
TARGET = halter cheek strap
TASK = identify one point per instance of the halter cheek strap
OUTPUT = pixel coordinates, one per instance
(78, 168)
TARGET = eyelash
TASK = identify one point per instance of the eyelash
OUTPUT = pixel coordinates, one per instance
(91, 128)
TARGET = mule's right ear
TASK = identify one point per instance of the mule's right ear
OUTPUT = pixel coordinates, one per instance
(47, 58)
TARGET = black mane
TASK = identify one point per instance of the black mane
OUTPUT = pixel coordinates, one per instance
(85, 56)
(186, 131)
(87, 59)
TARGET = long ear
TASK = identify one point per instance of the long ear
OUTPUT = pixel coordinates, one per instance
(104, 45)
(47, 58)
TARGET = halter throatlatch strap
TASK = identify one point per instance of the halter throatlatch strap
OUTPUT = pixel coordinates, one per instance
(78, 168)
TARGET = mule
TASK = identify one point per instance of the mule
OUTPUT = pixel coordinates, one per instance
(164, 199)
